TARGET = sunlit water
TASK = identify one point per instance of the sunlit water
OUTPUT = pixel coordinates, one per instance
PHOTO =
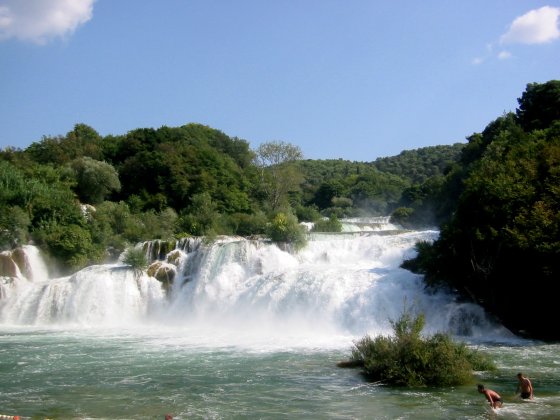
(255, 332)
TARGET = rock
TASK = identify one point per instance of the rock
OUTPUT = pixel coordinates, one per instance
(174, 257)
(20, 258)
(8, 267)
(163, 272)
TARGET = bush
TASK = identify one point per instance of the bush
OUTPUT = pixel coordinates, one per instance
(71, 245)
(285, 228)
(199, 219)
(407, 359)
(402, 216)
(136, 258)
(308, 214)
(249, 224)
(95, 180)
(14, 224)
(158, 225)
(332, 224)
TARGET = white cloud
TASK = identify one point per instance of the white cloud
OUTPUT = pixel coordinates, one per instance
(534, 27)
(504, 55)
(39, 21)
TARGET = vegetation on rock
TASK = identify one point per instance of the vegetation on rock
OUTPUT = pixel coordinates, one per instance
(136, 259)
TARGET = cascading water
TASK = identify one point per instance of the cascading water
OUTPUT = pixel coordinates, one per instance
(241, 329)
(97, 295)
(243, 291)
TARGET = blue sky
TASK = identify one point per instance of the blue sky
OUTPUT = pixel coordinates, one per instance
(350, 79)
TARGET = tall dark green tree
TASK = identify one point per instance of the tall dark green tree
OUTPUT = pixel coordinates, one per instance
(502, 246)
(539, 106)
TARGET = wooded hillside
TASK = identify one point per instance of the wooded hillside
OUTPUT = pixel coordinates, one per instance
(501, 243)
(83, 197)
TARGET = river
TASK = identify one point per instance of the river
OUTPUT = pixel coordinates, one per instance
(247, 330)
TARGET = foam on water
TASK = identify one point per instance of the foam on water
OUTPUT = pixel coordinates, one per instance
(254, 294)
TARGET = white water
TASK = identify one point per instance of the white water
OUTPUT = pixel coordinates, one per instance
(247, 331)
(253, 294)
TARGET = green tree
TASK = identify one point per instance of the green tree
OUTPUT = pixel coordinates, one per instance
(70, 244)
(402, 216)
(14, 226)
(418, 165)
(81, 141)
(327, 191)
(539, 106)
(279, 175)
(376, 192)
(201, 216)
(500, 245)
(95, 180)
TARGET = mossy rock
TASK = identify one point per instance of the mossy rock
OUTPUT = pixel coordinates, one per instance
(163, 272)
(174, 257)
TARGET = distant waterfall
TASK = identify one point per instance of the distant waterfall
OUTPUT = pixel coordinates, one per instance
(346, 284)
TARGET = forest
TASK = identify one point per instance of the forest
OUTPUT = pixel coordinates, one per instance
(500, 243)
(84, 198)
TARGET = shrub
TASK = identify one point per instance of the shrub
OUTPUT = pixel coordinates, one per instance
(284, 227)
(308, 214)
(71, 245)
(332, 224)
(402, 216)
(136, 258)
(14, 224)
(407, 359)
(95, 180)
(342, 202)
(249, 224)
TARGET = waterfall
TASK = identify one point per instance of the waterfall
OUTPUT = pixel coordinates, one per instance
(342, 284)
(97, 295)
(346, 284)
(368, 224)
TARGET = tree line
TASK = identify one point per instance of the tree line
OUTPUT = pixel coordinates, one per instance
(83, 198)
(500, 217)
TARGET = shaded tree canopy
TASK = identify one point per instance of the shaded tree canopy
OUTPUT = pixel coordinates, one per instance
(539, 106)
(501, 245)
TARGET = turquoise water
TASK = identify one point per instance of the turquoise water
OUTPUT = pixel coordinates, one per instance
(110, 374)
(248, 330)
